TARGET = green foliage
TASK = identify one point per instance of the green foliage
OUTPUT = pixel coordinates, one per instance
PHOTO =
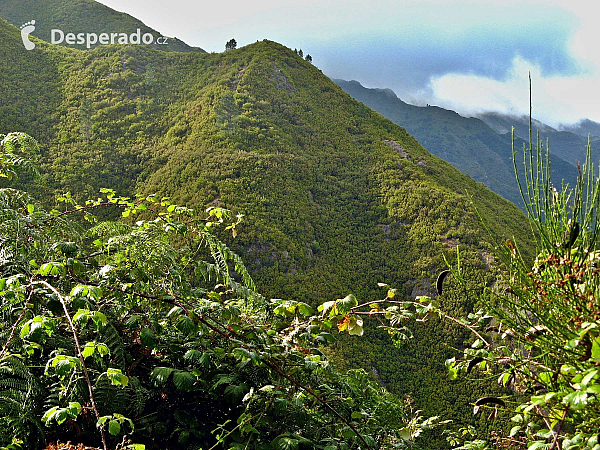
(17, 153)
(550, 314)
(154, 329)
(231, 44)
(538, 332)
(545, 348)
(334, 206)
(20, 414)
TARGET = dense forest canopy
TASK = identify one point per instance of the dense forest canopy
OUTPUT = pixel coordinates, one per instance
(172, 252)
(335, 197)
(118, 328)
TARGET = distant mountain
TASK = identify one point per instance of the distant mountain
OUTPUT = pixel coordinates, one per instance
(583, 128)
(569, 144)
(469, 144)
(503, 123)
(80, 16)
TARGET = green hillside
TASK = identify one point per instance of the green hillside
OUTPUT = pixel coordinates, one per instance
(336, 198)
(80, 16)
(469, 144)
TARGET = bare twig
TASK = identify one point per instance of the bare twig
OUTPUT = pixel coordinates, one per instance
(555, 443)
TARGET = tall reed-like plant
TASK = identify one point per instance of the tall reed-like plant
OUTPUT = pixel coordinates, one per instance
(546, 339)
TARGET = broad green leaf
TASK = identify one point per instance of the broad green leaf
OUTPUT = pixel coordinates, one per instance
(235, 393)
(184, 381)
(52, 269)
(589, 377)
(576, 400)
(117, 378)
(114, 427)
(88, 350)
(327, 308)
(61, 415)
(355, 327)
(148, 338)
(102, 349)
(81, 317)
(596, 350)
(285, 443)
(184, 437)
(452, 373)
(358, 415)
(160, 375)
(48, 415)
(593, 389)
(539, 445)
(102, 420)
(26, 329)
(346, 304)
(74, 409)
(99, 319)
(186, 325)
(304, 309)
(348, 433)
(64, 364)
(193, 355)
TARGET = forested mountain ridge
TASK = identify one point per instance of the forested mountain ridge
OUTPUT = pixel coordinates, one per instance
(469, 144)
(335, 197)
(81, 16)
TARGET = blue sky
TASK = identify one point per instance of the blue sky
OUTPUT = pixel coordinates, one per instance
(469, 56)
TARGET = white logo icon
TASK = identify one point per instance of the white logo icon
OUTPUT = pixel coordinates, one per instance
(26, 30)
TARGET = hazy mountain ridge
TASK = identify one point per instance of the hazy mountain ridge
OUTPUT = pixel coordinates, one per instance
(80, 16)
(503, 123)
(469, 144)
(568, 145)
(583, 128)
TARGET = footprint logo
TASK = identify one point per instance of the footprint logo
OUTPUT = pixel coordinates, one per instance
(26, 30)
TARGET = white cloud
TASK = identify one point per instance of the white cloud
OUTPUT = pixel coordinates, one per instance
(556, 99)
(583, 43)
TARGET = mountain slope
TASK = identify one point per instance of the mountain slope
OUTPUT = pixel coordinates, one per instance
(336, 197)
(79, 16)
(467, 143)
